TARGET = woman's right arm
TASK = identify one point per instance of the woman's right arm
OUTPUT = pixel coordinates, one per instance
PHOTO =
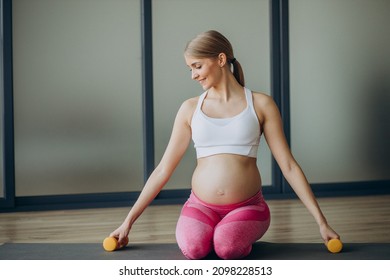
(177, 146)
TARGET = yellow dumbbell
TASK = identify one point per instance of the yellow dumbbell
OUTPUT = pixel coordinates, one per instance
(111, 244)
(334, 245)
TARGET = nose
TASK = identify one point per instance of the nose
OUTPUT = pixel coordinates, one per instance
(194, 75)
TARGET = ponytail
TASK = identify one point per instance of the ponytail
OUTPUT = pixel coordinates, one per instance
(237, 72)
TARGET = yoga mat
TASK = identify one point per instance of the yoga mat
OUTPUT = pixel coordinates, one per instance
(261, 251)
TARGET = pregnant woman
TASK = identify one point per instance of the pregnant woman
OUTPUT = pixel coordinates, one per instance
(226, 212)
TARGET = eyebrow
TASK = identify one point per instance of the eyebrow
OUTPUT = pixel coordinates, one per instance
(194, 63)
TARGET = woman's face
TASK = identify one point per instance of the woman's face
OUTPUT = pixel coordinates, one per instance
(204, 70)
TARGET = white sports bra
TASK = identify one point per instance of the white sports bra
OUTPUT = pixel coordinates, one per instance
(236, 135)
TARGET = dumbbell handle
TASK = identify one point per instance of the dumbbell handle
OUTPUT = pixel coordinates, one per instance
(334, 245)
(111, 244)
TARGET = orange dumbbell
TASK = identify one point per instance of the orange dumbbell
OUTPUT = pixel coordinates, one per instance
(111, 244)
(334, 245)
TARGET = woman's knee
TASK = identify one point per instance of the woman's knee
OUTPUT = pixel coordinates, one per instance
(195, 239)
(235, 234)
(194, 231)
(229, 251)
(195, 250)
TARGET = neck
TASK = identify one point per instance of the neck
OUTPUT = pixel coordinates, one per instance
(226, 88)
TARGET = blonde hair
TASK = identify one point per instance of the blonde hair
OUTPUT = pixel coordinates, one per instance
(210, 44)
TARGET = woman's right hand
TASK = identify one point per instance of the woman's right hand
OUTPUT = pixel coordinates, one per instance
(121, 233)
(328, 233)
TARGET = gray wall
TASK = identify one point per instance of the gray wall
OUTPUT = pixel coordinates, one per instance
(77, 84)
(340, 89)
(77, 87)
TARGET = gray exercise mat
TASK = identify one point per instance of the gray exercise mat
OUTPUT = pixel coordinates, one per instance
(261, 251)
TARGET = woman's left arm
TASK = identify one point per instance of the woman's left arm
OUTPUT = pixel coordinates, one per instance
(271, 122)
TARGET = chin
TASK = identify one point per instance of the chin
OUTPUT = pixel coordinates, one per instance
(205, 86)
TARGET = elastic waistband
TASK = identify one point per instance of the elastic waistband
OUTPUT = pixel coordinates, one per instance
(254, 200)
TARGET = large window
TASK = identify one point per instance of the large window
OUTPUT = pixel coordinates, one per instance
(244, 23)
(340, 89)
(77, 94)
(79, 74)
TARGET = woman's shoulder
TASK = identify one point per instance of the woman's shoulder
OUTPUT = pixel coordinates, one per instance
(262, 99)
(264, 105)
(188, 108)
(190, 104)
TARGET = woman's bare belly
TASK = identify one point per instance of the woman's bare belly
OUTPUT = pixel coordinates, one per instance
(226, 179)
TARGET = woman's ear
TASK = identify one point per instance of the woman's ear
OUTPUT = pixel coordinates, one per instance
(222, 59)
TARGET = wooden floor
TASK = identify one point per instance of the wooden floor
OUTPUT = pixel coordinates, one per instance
(356, 219)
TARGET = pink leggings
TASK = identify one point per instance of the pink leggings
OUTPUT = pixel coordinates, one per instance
(228, 229)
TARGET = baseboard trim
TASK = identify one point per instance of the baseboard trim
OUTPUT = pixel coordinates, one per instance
(179, 196)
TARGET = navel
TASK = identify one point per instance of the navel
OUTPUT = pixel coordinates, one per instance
(220, 192)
